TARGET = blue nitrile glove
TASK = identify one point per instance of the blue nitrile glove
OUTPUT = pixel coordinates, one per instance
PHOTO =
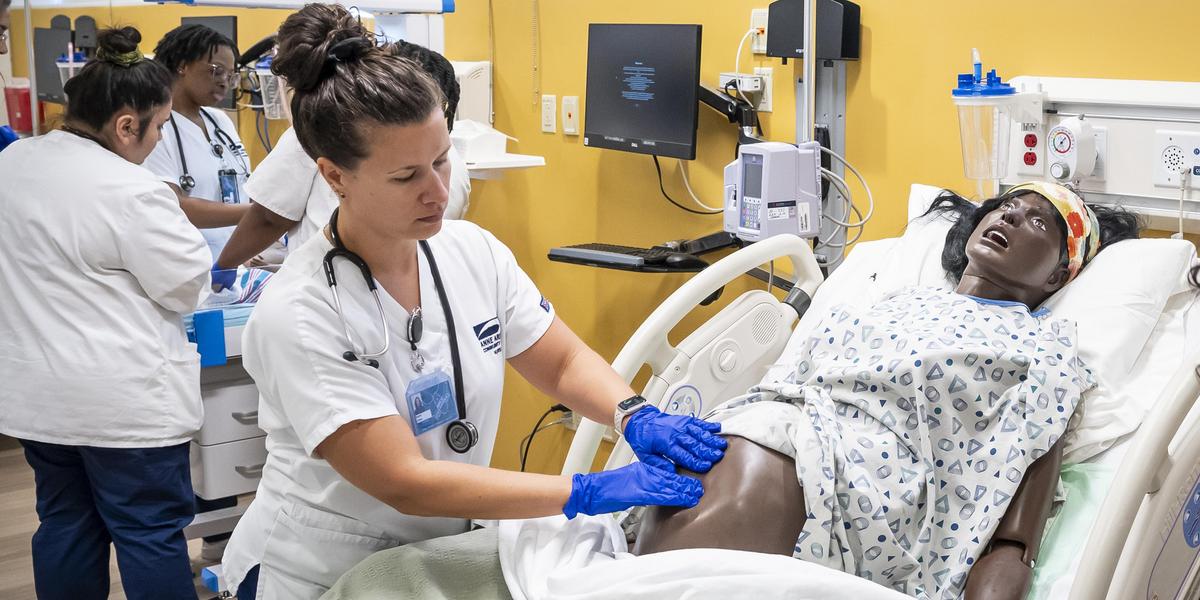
(223, 278)
(637, 484)
(7, 136)
(687, 441)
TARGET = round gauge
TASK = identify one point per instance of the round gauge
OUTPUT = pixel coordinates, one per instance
(1061, 141)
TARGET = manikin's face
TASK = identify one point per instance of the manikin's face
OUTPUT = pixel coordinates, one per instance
(1019, 245)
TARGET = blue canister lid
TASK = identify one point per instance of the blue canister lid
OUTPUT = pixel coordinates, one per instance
(265, 62)
(992, 85)
(77, 57)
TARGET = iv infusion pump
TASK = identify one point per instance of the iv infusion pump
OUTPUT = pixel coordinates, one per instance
(773, 188)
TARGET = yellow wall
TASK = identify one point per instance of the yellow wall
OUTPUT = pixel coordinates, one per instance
(902, 127)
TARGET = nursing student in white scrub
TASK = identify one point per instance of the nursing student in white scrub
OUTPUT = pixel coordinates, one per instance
(291, 197)
(98, 265)
(201, 155)
(390, 303)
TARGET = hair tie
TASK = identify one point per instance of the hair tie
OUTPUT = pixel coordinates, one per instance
(121, 59)
(345, 51)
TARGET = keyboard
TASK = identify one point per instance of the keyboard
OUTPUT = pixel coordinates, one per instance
(613, 254)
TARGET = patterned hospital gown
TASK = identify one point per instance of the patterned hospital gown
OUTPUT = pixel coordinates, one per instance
(912, 424)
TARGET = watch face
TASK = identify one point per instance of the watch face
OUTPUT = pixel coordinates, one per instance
(630, 402)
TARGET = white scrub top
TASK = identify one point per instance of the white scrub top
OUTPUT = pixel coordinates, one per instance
(307, 525)
(97, 266)
(288, 184)
(203, 163)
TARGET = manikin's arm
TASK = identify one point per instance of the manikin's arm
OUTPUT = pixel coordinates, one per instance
(1005, 570)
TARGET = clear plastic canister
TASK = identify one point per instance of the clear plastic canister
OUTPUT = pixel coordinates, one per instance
(271, 97)
(983, 124)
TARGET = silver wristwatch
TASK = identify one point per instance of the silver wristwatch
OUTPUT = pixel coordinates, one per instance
(627, 407)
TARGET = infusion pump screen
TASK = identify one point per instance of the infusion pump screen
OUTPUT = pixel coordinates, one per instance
(752, 171)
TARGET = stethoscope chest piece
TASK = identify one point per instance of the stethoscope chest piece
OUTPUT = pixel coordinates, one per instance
(461, 436)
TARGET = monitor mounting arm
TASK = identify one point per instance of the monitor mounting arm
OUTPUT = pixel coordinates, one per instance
(736, 110)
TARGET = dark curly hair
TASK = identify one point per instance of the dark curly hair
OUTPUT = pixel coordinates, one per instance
(187, 44)
(1116, 224)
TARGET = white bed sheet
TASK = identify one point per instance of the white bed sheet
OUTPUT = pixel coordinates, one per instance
(586, 558)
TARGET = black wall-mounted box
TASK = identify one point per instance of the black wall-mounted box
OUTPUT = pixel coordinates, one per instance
(838, 29)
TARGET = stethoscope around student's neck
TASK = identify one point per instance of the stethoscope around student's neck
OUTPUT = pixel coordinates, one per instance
(461, 434)
(186, 182)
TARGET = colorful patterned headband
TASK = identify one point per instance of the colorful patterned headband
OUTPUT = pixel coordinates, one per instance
(1083, 230)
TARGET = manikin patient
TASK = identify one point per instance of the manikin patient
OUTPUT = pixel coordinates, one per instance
(915, 443)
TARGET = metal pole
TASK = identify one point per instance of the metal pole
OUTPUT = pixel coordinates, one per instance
(33, 96)
(810, 69)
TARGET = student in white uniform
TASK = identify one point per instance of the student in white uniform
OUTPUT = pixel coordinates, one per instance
(97, 266)
(291, 197)
(353, 466)
(201, 155)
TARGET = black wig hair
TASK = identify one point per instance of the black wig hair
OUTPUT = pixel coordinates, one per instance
(187, 44)
(1116, 224)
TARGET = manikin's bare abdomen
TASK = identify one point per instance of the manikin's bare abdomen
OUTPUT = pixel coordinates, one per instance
(752, 501)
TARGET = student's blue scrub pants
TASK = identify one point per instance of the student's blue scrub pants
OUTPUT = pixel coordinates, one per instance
(139, 499)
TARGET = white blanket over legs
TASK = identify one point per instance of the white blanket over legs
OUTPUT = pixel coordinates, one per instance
(586, 558)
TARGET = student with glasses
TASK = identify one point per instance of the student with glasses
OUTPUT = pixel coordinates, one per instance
(201, 155)
(202, 158)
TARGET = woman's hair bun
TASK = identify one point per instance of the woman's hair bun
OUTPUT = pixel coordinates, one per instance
(118, 40)
(305, 40)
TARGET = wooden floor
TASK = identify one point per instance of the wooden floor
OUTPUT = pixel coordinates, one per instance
(18, 520)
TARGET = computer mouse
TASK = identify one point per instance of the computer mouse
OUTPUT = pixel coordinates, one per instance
(682, 261)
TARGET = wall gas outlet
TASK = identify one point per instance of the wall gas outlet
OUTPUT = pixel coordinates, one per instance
(1175, 152)
(758, 20)
(764, 103)
(1101, 135)
(549, 113)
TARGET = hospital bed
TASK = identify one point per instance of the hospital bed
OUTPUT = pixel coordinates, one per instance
(1130, 523)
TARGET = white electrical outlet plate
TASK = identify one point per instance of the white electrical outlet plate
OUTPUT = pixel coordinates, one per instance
(1175, 151)
(748, 84)
(764, 103)
(549, 113)
(758, 20)
(570, 115)
(1101, 135)
(1038, 168)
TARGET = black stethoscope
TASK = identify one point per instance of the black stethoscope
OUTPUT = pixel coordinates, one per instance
(461, 434)
(186, 181)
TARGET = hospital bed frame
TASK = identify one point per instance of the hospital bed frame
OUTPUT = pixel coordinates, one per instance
(1149, 543)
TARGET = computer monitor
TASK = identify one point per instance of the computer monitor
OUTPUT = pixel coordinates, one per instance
(642, 88)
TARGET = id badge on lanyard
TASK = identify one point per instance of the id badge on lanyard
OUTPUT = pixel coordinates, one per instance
(229, 186)
(431, 402)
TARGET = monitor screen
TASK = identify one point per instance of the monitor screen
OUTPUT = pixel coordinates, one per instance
(642, 88)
